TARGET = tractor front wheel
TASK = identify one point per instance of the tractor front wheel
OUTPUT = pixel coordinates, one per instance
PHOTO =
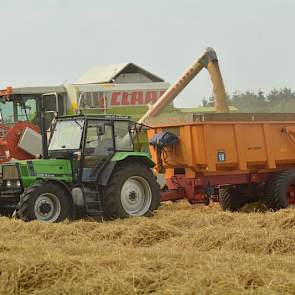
(131, 191)
(44, 201)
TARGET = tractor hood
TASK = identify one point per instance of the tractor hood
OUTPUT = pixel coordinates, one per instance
(48, 168)
(30, 170)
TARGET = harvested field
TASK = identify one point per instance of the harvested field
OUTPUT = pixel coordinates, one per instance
(181, 250)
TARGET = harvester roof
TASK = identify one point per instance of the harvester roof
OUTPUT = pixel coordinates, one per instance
(110, 73)
(31, 90)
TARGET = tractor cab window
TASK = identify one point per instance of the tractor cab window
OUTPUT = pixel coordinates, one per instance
(99, 139)
(123, 138)
(99, 146)
(67, 135)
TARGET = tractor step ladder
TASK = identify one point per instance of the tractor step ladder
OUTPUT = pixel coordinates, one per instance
(92, 200)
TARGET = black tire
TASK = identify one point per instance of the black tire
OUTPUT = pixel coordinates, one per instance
(27, 206)
(232, 197)
(7, 206)
(6, 210)
(113, 203)
(277, 190)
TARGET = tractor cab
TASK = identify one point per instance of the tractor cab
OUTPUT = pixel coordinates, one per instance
(91, 141)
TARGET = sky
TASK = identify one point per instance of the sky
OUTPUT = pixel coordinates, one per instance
(51, 42)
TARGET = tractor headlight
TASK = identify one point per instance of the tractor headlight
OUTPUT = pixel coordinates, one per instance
(10, 176)
(13, 184)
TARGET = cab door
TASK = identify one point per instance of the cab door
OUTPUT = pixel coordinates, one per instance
(98, 147)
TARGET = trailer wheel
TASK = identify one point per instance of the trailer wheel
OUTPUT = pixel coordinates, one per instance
(232, 198)
(131, 191)
(280, 190)
(44, 201)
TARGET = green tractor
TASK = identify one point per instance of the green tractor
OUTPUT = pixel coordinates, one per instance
(92, 164)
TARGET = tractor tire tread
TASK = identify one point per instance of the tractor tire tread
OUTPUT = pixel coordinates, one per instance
(274, 195)
(111, 193)
(23, 206)
(231, 198)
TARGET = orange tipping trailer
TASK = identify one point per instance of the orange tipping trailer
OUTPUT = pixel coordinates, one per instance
(236, 158)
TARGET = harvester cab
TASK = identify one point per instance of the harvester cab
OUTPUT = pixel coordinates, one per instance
(90, 167)
(20, 121)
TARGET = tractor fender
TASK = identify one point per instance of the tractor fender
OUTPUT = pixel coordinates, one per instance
(105, 174)
(144, 157)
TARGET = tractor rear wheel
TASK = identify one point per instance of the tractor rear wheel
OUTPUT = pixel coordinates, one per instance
(44, 201)
(131, 191)
(232, 197)
(280, 190)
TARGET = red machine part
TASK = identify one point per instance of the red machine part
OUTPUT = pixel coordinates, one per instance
(4, 152)
(291, 194)
(9, 142)
(181, 187)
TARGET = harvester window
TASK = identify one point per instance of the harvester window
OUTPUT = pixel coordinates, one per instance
(7, 112)
(18, 109)
(50, 102)
(26, 110)
(90, 100)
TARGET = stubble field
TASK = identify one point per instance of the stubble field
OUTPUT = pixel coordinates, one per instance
(183, 249)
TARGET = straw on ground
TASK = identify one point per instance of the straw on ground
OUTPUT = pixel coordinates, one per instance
(181, 250)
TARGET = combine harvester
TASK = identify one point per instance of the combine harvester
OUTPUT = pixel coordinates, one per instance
(121, 89)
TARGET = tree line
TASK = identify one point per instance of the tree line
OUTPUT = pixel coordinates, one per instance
(276, 101)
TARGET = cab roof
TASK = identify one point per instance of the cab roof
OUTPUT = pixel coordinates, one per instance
(95, 116)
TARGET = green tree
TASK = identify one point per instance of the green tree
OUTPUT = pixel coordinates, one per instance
(276, 101)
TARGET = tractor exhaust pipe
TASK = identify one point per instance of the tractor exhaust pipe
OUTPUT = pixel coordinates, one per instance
(207, 60)
(43, 129)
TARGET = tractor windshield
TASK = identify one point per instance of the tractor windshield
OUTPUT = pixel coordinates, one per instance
(67, 135)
